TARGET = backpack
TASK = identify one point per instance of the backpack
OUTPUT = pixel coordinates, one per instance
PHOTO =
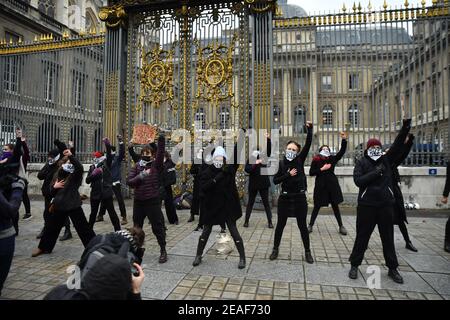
(107, 244)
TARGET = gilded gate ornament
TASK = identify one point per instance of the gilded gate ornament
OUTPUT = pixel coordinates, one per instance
(113, 16)
(156, 78)
(215, 73)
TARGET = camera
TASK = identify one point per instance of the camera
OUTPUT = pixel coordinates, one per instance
(132, 259)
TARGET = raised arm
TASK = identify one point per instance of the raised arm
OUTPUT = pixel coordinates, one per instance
(134, 156)
(342, 150)
(396, 147)
(109, 157)
(159, 160)
(305, 150)
(121, 155)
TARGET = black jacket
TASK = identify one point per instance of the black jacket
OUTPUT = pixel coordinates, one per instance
(297, 183)
(10, 201)
(101, 184)
(219, 195)
(447, 182)
(170, 175)
(68, 198)
(326, 188)
(256, 180)
(375, 179)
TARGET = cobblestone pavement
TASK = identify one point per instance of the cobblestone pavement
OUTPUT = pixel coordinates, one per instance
(426, 273)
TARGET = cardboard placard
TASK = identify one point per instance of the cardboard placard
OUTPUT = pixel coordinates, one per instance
(143, 132)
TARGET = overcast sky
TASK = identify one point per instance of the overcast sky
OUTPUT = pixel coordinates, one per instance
(326, 5)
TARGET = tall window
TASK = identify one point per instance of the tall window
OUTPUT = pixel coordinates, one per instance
(327, 116)
(200, 119)
(50, 80)
(353, 81)
(224, 118)
(11, 74)
(299, 85)
(353, 115)
(47, 133)
(300, 119)
(78, 87)
(99, 90)
(47, 7)
(326, 83)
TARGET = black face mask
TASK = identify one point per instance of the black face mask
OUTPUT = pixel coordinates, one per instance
(146, 158)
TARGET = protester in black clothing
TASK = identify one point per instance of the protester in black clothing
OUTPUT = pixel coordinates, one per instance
(292, 199)
(24, 159)
(196, 170)
(327, 189)
(47, 174)
(100, 179)
(65, 203)
(399, 208)
(11, 189)
(258, 182)
(116, 174)
(220, 201)
(444, 201)
(109, 279)
(376, 200)
(169, 179)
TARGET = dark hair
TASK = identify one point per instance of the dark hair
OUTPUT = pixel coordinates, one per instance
(296, 144)
(146, 149)
(138, 235)
(10, 146)
(320, 149)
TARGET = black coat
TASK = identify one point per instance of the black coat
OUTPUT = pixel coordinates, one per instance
(376, 188)
(327, 189)
(68, 198)
(170, 174)
(292, 199)
(219, 195)
(196, 171)
(48, 171)
(256, 180)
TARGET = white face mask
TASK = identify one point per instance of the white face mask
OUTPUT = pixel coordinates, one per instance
(97, 161)
(374, 153)
(255, 154)
(68, 167)
(325, 153)
(143, 163)
(290, 155)
(218, 163)
(113, 153)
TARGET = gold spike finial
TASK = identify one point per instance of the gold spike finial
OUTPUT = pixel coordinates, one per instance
(424, 3)
(344, 8)
(359, 7)
(385, 5)
(406, 4)
(369, 6)
(354, 7)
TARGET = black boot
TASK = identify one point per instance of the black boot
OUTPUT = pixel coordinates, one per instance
(200, 247)
(246, 224)
(270, 225)
(353, 274)
(394, 275)
(67, 235)
(240, 249)
(274, 253)
(163, 256)
(410, 246)
(308, 256)
(191, 218)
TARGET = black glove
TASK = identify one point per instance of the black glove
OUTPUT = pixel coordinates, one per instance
(379, 169)
(407, 122)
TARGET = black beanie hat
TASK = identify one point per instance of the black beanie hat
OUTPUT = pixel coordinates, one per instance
(53, 153)
(108, 279)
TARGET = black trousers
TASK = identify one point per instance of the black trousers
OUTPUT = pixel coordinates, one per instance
(301, 223)
(447, 231)
(171, 212)
(152, 209)
(117, 189)
(26, 200)
(109, 205)
(366, 220)
(337, 214)
(47, 213)
(251, 201)
(234, 232)
(404, 231)
(55, 223)
(7, 247)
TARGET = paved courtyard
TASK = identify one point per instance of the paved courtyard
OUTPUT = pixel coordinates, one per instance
(426, 273)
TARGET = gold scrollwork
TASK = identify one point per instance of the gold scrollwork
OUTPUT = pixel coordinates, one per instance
(113, 16)
(215, 72)
(267, 5)
(156, 78)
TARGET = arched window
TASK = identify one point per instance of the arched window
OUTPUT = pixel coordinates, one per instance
(353, 115)
(47, 133)
(200, 119)
(327, 116)
(224, 118)
(78, 136)
(276, 117)
(300, 119)
(47, 7)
